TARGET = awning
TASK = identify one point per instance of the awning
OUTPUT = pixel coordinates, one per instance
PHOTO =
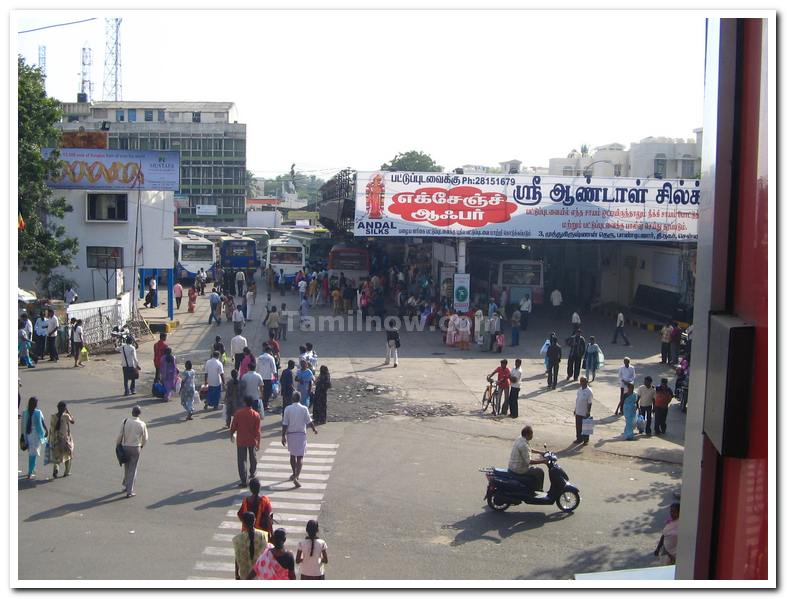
(26, 296)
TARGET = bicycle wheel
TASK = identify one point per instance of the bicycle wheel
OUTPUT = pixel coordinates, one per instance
(498, 395)
(486, 399)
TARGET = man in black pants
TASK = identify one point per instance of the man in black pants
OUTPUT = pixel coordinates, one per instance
(577, 345)
(513, 394)
(554, 354)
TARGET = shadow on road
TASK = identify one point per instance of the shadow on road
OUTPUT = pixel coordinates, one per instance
(598, 559)
(479, 526)
(70, 508)
(192, 496)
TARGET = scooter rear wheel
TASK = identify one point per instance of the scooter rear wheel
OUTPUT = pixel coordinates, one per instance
(498, 508)
(568, 501)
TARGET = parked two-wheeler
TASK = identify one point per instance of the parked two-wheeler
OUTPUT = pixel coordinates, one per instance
(505, 488)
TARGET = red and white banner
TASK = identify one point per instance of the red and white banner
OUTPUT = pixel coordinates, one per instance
(525, 206)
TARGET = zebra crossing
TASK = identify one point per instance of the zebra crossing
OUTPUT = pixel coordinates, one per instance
(292, 507)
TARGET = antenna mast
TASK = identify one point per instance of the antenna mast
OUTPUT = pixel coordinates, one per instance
(113, 83)
(85, 84)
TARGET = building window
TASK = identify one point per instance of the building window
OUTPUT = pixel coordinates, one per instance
(72, 118)
(660, 166)
(99, 256)
(123, 143)
(196, 117)
(120, 116)
(107, 207)
(161, 116)
(164, 143)
(149, 116)
(132, 115)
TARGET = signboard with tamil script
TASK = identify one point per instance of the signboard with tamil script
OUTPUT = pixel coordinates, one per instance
(525, 207)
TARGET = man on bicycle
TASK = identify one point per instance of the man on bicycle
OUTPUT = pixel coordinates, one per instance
(503, 384)
(520, 463)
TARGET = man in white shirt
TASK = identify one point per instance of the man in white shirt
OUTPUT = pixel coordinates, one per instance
(40, 336)
(582, 407)
(525, 307)
(237, 343)
(240, 280)
(520, 462)
(133, 436)
(52, 325)
(513, 395)
(302, 289)
(556, 298)
(647, 397)
(266, 366)
(626, 375)
(621, 321)
(576, 322)
(238, 319)
(214, 379)
(129, 364)
(71, 296)
(294, 421)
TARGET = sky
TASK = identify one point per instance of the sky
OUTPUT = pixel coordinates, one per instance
(331, 89)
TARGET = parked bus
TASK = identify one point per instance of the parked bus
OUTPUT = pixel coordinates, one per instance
(208, 233)
(520, 277)
(286, 254)
(258, 234)
(237, 252)
(352, 261)
(193, 252)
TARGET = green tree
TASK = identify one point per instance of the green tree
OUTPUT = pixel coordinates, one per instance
(412, 161)
(306, 186)
(43, 245)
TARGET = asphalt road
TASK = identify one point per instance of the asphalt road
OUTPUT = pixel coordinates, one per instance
(397, 497)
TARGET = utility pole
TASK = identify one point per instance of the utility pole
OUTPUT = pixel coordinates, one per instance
(42, 59)
(85, 84)
(113, 80)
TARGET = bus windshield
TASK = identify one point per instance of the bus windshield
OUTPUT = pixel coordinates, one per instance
(196, 251)
(239, 248)
(286, 255)
(348, 260)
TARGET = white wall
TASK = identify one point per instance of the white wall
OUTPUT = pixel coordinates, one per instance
(617, 283)
(155, 239)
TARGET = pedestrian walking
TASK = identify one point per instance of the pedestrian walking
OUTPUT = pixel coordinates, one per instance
(503, 383)
(287, 384)
(34, 434)
(283, 323)
(304, 378)
(78, 343)
(312, 553)
(24, 345)
(248, 360)
(177, 292)
(273, 322)
(629, 411)
(233, 397)
(188, 389)
(282, 281)
(646, 396)
(130, 366)
(463, 328)
(229, 306)
(252, 386)
(516, 381)
(576, 352)
(495, 327)
(215, 307)
(250, 301)
(248, 546)
(525, 308)
(240, 281)
(266, 366)
(626, 375)
(192, 300)
(321, 386)
(275, 563)
(661, 403)
(214, 379)
(245, 431)
(304, 313)
(619, 324)
(238, 320)
(294, 421)
(275, 349)
(268, 307)
(133, 436)
(666, 335)
(667, 546)
(554, 354)
(392, 344)
(260, 506)
(159, 347)
(556, 299)
(61, 442)
(311, 356)
(40, 337)
(592, 359)
(169, 373)
(70, 328)
(302, 289)
(674, 343)
(576, 321)
(582, 407)
(237, 343)
(516, 323)
(52, 326)
(218, 345)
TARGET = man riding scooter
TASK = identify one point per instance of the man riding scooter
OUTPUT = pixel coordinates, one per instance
(520, 462)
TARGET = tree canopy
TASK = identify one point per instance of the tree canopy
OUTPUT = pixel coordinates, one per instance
(43, 245)
(412, 161)
(307, 187)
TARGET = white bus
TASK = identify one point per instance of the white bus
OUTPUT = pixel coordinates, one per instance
(286, 254)
(193, 252)
(208, 233)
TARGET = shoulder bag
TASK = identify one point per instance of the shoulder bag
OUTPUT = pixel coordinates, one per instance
(134, 370)
(120, 453)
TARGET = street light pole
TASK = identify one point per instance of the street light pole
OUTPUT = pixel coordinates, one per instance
(585, 172)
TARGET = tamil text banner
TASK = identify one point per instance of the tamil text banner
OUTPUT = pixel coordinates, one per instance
(84, 168)
(525, 207)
